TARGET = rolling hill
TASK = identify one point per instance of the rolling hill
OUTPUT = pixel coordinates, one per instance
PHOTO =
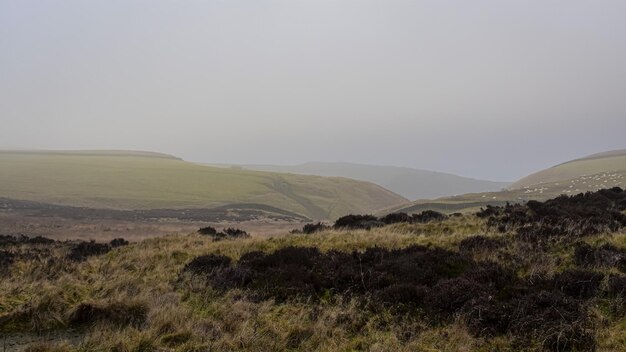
(410, 183)
(612, 161)
(590, 173)
(140, 180)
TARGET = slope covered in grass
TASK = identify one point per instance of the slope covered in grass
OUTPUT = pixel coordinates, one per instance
(611, 161)
(137, 181)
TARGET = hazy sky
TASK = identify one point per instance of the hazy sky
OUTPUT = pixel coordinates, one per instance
(490, 89)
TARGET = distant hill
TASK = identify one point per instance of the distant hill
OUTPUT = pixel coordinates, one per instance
(407, 182)
(590, 173)
(143, 180)
(611, 161)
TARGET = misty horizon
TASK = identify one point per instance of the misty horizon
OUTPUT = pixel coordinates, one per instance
(484, 90)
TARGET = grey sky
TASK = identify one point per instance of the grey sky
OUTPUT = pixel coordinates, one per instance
(489, 89)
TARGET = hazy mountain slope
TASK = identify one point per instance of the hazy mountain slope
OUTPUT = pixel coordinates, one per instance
(134, 181)
(591, 173)
(410, 183)
(611, 161)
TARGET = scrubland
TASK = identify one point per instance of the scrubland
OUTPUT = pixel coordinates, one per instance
(541, 276)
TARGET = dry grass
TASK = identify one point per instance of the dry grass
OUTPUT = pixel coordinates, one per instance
(186, 315)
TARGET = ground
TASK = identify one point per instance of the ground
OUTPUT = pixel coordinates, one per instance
(143, 297)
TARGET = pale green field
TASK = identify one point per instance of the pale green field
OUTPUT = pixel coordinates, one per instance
(472, 202)
(573, 169)
(139, 182)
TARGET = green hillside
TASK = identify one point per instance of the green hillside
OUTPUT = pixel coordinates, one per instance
(612, 161)
(136, 180)
(591, 173)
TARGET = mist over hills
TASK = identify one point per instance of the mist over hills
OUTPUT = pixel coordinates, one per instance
(407, 182)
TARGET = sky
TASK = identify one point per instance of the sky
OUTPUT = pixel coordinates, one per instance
(486, 89)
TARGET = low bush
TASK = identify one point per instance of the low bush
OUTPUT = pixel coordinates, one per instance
(604, 256)
(118, 242)
(428, 216)
(353, 222)
(313, 228)
(206, 264)
(84, 250)
(117, 313)
(479, 243)
(562, 218)
(578, 283)
(6, 259)
(395, 218)
(208, 230)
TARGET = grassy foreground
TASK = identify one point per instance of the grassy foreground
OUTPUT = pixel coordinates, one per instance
(146, 301)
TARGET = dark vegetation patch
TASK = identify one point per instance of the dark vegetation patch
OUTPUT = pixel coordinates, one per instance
(605, 256)
(226, 213)
(308, 229)
(120, 314)
(428, 216)
(118, 242)
(395, 218)
(206, 264)
(578, 283)
(84, 250)
(552, 319)
(353, 222)
(561, 218)
(225, 234)
(208, 230)
(294, 272)
(6, 240)
(616, 286)
(438, 283)
(480, 243)
(6, 259)
(367, 222)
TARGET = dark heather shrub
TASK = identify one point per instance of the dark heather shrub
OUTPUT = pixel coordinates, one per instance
(448, 296)
(10, 240)
(578, 283)
(489, 211)
(206, 264)
(83, 250)
(395, 218)
(38, 240)
(6, 259)
(560, 323)
(402, 294)
(487, 316)
(235, 233)
(479, 243)
(313, 228)
(562, 217)
(118, 313)
(293, 272)
(428, 216)
(616, 286)
(118, 242)
(353, 222)
(604, 256)
(207, 231)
